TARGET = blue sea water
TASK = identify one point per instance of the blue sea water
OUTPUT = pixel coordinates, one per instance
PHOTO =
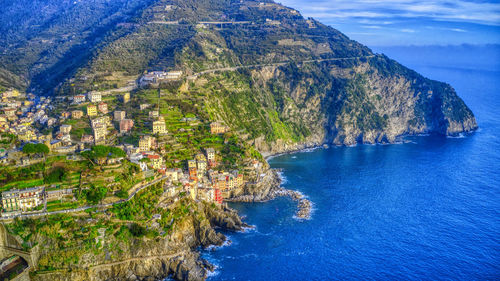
(427, 209)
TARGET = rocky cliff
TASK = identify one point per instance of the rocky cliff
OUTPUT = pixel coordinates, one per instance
(363, 103)
(175, 254)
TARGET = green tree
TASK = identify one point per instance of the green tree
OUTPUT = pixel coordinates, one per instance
(56, 175)
(95, 194)
(29, 148)
(42, 148)
(137, 230)
(32, 148)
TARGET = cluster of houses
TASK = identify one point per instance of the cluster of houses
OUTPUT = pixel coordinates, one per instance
(204, 182)
(200, 179)
(20, 112)
(155, 77)
(16, 201)
(101, 123)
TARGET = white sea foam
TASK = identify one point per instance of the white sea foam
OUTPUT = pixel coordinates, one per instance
(212, 274)
(215, 264)
(226, 243)
(250, 255)
(283, 179)
(311, 149)
(459, 136)
(249, 228)
(304, 150)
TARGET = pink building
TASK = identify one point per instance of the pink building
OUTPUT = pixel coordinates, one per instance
(103, 107)
(126, 125)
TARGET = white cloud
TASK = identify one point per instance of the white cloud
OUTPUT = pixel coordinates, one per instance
(407, 30)
(456, 10)
(375, 22)
(446, 28)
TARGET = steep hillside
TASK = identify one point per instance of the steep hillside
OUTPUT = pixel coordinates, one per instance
(283, 82)
(42, 42)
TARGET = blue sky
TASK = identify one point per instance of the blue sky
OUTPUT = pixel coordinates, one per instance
(408, 22)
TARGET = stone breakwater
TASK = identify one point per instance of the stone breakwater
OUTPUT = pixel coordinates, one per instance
(304, 205)
(272, 190)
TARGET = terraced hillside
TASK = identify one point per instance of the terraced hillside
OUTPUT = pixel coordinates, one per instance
(280, 80)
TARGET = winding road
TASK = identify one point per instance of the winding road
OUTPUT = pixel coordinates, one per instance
(234, 68)
(80, 209)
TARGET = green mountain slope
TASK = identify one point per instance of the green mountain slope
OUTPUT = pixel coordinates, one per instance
(284, 82)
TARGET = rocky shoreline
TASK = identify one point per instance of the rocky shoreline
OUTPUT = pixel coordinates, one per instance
(304, 206)
(176, 256)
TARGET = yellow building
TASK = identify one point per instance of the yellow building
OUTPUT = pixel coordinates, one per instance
(146, 143)
(14, 93)
(91, 110)
(202, 166)
(200, 157)
(217, 128)
(239, 180)
(193, 191)
(191, 164)
(159, 126)
(126, 97)
(231, 182)
(156, 161)
(76, 114)
(26, 136)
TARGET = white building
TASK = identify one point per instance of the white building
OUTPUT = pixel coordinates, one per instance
(94, 96)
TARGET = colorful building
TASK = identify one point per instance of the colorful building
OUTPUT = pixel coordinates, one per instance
(211, 157)
(126, 97)
(103, 107)
(156, 161)
(217, 128)
(79, 98)
(159, 126)
(76, 114)
(94, 97)
(119, 115)
(22, 200)
(91, 110)
(126, 125)
(65, 129)
(193, 173)
(100, 132)
(217, 196)
(146, 143)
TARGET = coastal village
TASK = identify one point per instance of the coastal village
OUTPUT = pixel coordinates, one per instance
(141, 158)
(128, 130)
(35, 130)
(126, 166)
(104, 152)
